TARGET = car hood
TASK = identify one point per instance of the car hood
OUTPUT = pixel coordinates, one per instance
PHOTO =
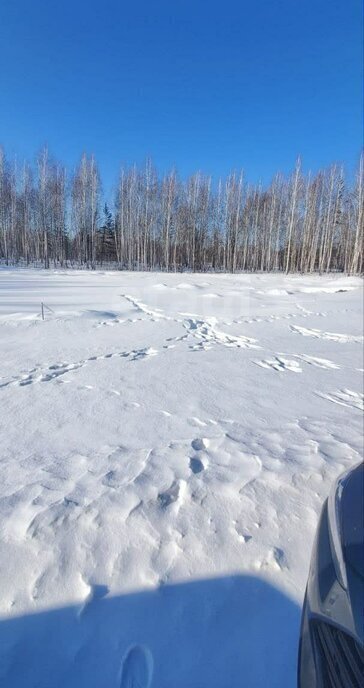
(352, 520)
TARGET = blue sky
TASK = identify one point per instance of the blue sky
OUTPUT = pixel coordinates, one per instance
(200, 85)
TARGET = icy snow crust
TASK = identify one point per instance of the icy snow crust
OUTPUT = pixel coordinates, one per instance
(167, 442)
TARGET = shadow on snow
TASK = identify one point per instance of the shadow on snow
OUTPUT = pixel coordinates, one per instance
(229, 632)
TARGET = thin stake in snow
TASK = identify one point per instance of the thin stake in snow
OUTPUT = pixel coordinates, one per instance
(43, 306)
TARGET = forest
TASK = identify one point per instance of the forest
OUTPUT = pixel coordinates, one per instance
(298, 223)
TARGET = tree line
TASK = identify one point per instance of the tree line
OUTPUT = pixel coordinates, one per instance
(298, 223)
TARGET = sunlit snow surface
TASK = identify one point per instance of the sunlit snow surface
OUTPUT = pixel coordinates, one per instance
(167, 442)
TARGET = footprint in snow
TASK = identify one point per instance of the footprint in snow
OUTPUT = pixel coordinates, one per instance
(169, 496)
(137, 668)
(196, 465)
(199, 444)
(276, 559)
(95, 592)
(242, 534)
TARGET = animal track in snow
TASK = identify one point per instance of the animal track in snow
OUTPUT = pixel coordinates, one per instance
(157, 313)
(142, 353)
(36, 375)
(154, 314)
(196, 422)
(318, 362)
(57, 370)
(112, 322)
(303, 313)
(272, 318)
(280, 364)
(345, 397)
(333, 336)
(205, 330)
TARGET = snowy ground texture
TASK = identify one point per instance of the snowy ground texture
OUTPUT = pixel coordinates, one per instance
(167, 442)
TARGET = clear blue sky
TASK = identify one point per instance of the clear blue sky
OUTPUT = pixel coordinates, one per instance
(197, 84)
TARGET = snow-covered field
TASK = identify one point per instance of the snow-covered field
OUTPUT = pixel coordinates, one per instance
(167, 442)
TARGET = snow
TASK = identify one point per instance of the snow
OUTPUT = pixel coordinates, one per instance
(163, 470)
